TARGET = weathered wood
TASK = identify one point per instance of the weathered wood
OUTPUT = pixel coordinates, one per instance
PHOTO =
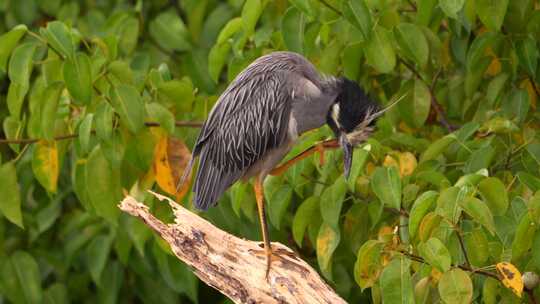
(234, 266)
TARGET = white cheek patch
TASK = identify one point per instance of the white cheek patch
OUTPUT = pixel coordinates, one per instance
(335, 114)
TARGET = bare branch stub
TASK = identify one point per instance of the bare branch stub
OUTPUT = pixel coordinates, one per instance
(234, 266)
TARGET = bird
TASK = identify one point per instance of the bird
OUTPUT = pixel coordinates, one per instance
(261, 115)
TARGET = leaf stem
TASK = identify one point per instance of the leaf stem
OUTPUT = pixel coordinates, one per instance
(462, 267)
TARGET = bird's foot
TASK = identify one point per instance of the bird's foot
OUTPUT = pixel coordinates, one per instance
(269, 256)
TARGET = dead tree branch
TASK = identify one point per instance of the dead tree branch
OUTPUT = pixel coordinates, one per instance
(234, 266)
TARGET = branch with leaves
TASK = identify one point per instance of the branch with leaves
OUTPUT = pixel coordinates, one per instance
(149, 124)
(234, 266)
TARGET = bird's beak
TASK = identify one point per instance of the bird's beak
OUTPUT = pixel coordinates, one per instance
(347, 153)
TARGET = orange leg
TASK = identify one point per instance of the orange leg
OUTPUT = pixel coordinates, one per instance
(319, 147)
(259, 196)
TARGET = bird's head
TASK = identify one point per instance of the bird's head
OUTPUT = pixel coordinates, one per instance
(352, 118)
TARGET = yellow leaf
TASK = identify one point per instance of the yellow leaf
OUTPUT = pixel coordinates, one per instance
(494, 67)
(405, 128)
(171, 157)
(511, 277)
(370, 167)
(385, 234)
(389, 161)
(436, 275)
(528, 85)
(407, 163)
(45, 164)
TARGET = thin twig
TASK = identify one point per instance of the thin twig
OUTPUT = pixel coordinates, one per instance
(530, 293)
(331, 7)
(412, 5)
(463, 267)
(434, 102)
(463, 249)
(186, 124)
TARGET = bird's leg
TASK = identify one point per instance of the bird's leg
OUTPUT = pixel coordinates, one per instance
(259, 196)
(319, 147)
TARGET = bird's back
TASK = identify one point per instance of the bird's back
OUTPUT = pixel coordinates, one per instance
(250, 118)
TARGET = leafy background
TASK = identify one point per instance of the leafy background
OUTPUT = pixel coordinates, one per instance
(97, 98)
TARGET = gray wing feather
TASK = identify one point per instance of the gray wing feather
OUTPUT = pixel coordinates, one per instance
(250, 118)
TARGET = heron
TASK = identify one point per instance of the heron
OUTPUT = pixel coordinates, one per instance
(261, 115)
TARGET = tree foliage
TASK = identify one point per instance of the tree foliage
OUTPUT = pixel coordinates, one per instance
(98, 98)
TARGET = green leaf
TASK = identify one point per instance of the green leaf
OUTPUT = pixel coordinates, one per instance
(304, 6)
(477, 246)
(218, 56)
(292, 29)
(495, 87)
(13, 130)
(20, 69)
(10, 204)
(78, 78)
(524, 238)
(112, 283)
(15, 99)
(332, 201)
(436, 254)
(386, 184)
(437, 148)
(20, 279)
(170, 32)
(455, 286)
(447, 204)
(121, 70)
(534, 208)
(9, 41)
(491, 12)
(360, 156)
(60, 38)
(278, 202)
(129, 105)
(49, 110)
(425, 10)
(495, 195)
(395, 282)
(327, 242)
(420, 208)
(528, 55)
(160, 114)
(104, 182)
(251, 12)
(45, 164)
(303, 217)
(104, 120)
(56, 294)
(97, 254)
(412, 43)
(379, 51)
(368, 264)
(358, 14)
(479, 211)
(478, 48)
(178, 93)
(451, 7)
(85, 131)
(417, 103)
(232, 27)
(532, 182)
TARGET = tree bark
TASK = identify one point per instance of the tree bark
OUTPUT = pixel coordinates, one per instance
(234, 266)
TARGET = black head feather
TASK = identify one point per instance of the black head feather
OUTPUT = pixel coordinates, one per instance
(351, 107)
